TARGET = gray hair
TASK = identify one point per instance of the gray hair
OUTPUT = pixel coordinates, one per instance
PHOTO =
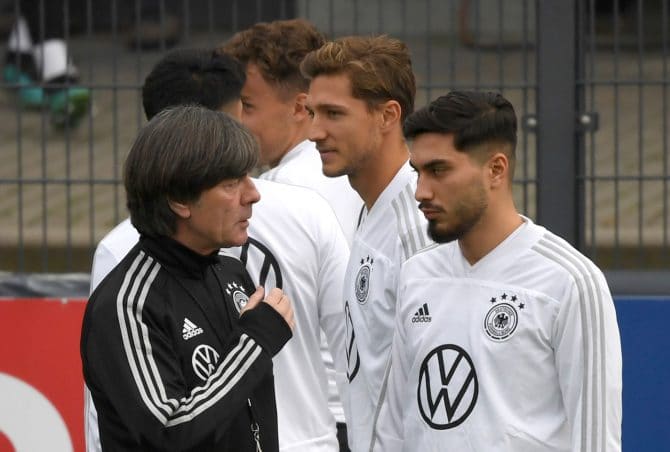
(181, 152)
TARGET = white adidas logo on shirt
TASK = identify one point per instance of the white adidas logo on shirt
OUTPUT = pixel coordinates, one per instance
(422, 315)
(190, 329)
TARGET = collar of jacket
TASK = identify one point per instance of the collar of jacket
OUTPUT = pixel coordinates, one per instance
(177, 257)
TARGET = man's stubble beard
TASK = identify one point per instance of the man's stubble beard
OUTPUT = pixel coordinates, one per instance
(469, 212)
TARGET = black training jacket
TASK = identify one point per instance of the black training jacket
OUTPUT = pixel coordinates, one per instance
(170, 363)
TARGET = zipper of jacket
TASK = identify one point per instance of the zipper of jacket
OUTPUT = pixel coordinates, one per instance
(255, 429)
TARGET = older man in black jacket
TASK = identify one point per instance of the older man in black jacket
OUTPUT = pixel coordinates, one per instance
(176, 353)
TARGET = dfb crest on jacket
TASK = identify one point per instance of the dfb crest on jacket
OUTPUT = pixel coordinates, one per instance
(503, 317)
(363, 279)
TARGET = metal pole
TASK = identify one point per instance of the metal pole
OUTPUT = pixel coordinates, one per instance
(557, 160)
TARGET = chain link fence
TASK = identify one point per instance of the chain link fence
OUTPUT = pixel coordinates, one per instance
(592, 95)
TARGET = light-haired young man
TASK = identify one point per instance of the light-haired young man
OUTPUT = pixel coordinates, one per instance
(273, 108)
(361, 90)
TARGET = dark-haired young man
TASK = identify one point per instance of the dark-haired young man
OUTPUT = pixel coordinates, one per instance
(506, 337)
(176, 353)
(193, 76)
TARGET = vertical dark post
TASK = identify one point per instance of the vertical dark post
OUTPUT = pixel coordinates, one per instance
(557, 157)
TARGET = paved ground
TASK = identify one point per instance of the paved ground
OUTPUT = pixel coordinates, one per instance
(75, 215)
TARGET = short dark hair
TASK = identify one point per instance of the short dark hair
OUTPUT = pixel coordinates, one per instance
(379, 69)
(473, 117)
(180, 153)
(277, 48)
(192, 76)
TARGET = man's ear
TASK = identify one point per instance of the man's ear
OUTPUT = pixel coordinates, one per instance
(299, 107)
(390, 114)
(498, 169)
(182, 210)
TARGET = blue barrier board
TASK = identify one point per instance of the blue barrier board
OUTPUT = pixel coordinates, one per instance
(644, 326)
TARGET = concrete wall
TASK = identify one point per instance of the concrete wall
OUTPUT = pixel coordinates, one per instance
(483, 18)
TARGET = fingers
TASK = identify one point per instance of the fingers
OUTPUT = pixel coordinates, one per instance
(281, 303)
(277, 299)
(254, 299)
(285, 304)
(274, 296)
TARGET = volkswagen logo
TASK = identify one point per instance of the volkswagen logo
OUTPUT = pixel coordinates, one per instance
(448, 388)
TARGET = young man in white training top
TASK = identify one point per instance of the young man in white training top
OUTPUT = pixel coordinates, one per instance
(506, 338)
(361, 89)
(273, 108)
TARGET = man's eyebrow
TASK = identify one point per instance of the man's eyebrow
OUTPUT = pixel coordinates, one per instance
(326, 105)
(428, 164)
